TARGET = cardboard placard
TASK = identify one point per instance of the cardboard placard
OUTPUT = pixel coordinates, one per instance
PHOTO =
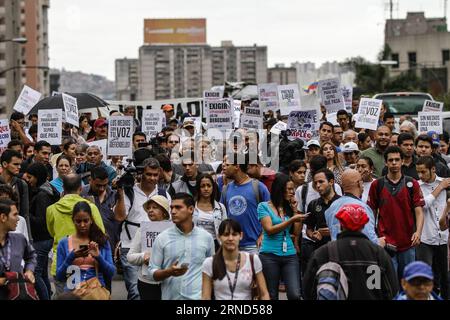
(330, 92)
(368, 113)
(430, 121)
(50, 126)
(268, 97)
(120, 135)
(289, 98)
(152, 122)
(71, 109)
(303, 125)
(149, 231)
(27, 100)
(432, 106)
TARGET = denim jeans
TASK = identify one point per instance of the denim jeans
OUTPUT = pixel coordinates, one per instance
(130, 275)
(43, 287)
(436, 257)
(250, 249)
(276, 268)
(401, 259)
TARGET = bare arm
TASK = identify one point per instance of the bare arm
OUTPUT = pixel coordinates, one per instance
(415, 239)
(261, 282)
(443, 221)
(274, 229)
(172, 271)
(207, 287)
(120, 212)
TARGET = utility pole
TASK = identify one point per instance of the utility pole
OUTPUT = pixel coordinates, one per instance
(391, 8)
(445, 9)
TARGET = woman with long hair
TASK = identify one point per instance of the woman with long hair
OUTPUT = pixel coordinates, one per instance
(63, 167)
(365, 168)
(88, 249)
(157, 208)
(328, 150)
(208, 213)
(229, 274)
(84, 127)
(278, 254)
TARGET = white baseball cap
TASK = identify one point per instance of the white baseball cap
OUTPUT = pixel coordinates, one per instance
(312, 143)
(350, 147)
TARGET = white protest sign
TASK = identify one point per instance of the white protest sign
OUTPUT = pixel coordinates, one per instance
(5, 134)
(289, 98)
(303, 125)
(347, 92)
(368, 113)
(120, 135)
(268, 96)
(149, 231)
(219, 114)
(152, 122)
(252, 118)
(278, 127)
(332, 118)
(237, 112)
(330, 92)
(212, 95)
(310, 100)
(102, 144)
(435, 106)
(430, 121)
(27, 100)
(71, 109)
(50, 126)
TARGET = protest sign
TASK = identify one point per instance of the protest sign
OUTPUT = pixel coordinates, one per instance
(149, 231)
(50, 126)
(368, 113)
(212, 95)
(268, 97)
(278, 127)
(219, 114)
(309, 101)
(430, 121)
(330, 92)
(347, 93)
(120, 135)
(332, 118)
(5, 134)
(303, 125)
(252, 118)
(289, 98)
(71, 109)
(27, 100)
(435, 106)
(237, 112)
(152, 122)
(102, 144)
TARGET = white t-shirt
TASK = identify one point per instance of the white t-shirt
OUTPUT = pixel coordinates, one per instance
(205, 221)
(365, 194)
(243, 290)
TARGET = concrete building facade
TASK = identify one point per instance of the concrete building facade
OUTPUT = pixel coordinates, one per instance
(127, 79)
(282, 75)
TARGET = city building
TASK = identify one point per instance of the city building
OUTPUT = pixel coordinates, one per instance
(423, 45)
(281, 74)
(127, 79)
(307, 73)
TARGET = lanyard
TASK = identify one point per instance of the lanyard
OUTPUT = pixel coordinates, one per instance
(232, 288)
(6, 260)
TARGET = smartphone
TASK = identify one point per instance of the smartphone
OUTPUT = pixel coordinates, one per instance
(184, 265)
(84, 247)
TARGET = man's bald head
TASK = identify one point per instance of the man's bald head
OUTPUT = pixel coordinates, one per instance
(72, 183)
(351, 182)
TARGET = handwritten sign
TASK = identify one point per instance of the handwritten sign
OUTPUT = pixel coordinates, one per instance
(268, 96)
(368, 113)
(152, 122)
(289, 98)
(219, 114)
(5, 134)
(27, 100)
(71, 109)
(149, 231)
(278, 127)
(303, 125)
(120, 135)
(347, 92)
(430, 121)
(50, 126)
(330, 92)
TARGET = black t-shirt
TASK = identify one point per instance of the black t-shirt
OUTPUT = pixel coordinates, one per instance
(316, 219)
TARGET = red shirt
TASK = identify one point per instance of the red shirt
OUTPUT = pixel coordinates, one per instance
(396, 210)
(267, 177)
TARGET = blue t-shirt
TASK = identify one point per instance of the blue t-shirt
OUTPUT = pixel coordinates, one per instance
(274, 243)
(58, 184)
(242, 206)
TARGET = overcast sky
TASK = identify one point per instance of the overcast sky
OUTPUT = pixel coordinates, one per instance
(88, 35)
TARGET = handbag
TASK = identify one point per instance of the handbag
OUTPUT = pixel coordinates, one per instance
(256, 295)
(92, 289)
(19, 288)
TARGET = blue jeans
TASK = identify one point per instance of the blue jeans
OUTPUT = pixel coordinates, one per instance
(402, 259)
(130, 275)
(43, 287)
(276, 268)
(250, 249)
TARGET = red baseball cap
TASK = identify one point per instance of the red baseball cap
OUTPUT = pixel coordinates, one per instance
(352, 217)
(167, 107)
(100, 123)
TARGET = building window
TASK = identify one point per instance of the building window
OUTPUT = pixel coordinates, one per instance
(394, 57)
(412, 59)
(445, 56)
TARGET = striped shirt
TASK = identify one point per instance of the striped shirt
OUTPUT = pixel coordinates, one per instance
(173, 245)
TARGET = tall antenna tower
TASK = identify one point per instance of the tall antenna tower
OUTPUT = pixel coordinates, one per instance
(391, 7)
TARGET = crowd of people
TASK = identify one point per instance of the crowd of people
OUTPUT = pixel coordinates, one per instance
(350, 214)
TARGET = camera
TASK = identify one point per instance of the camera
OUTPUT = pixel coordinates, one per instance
(128, 178)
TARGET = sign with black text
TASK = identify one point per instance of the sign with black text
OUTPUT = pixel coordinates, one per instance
(120, 135)
(71, 109)
(330, 92)
(430, 106)
(430, 121)
(368, 113)
(149, 231)
(289, 98)
(219, 114)
(152, 122)
(5, 134)
(50, 126)
(268, 96)
(303, 125)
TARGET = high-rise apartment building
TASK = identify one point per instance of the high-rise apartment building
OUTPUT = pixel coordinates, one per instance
(127, 79)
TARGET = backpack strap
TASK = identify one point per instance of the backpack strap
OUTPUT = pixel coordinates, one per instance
(252, 265)
(129, 192)
(333, 253)
(224, 194)
(304, 194)
(255, 187)
(380, 185)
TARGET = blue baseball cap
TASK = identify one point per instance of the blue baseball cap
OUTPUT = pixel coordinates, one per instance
(417, 269)
(435, 137)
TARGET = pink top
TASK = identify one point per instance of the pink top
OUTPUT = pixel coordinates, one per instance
(84, 263)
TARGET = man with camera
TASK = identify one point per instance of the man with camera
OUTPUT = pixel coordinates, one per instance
(433, 247)
(129, 210)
